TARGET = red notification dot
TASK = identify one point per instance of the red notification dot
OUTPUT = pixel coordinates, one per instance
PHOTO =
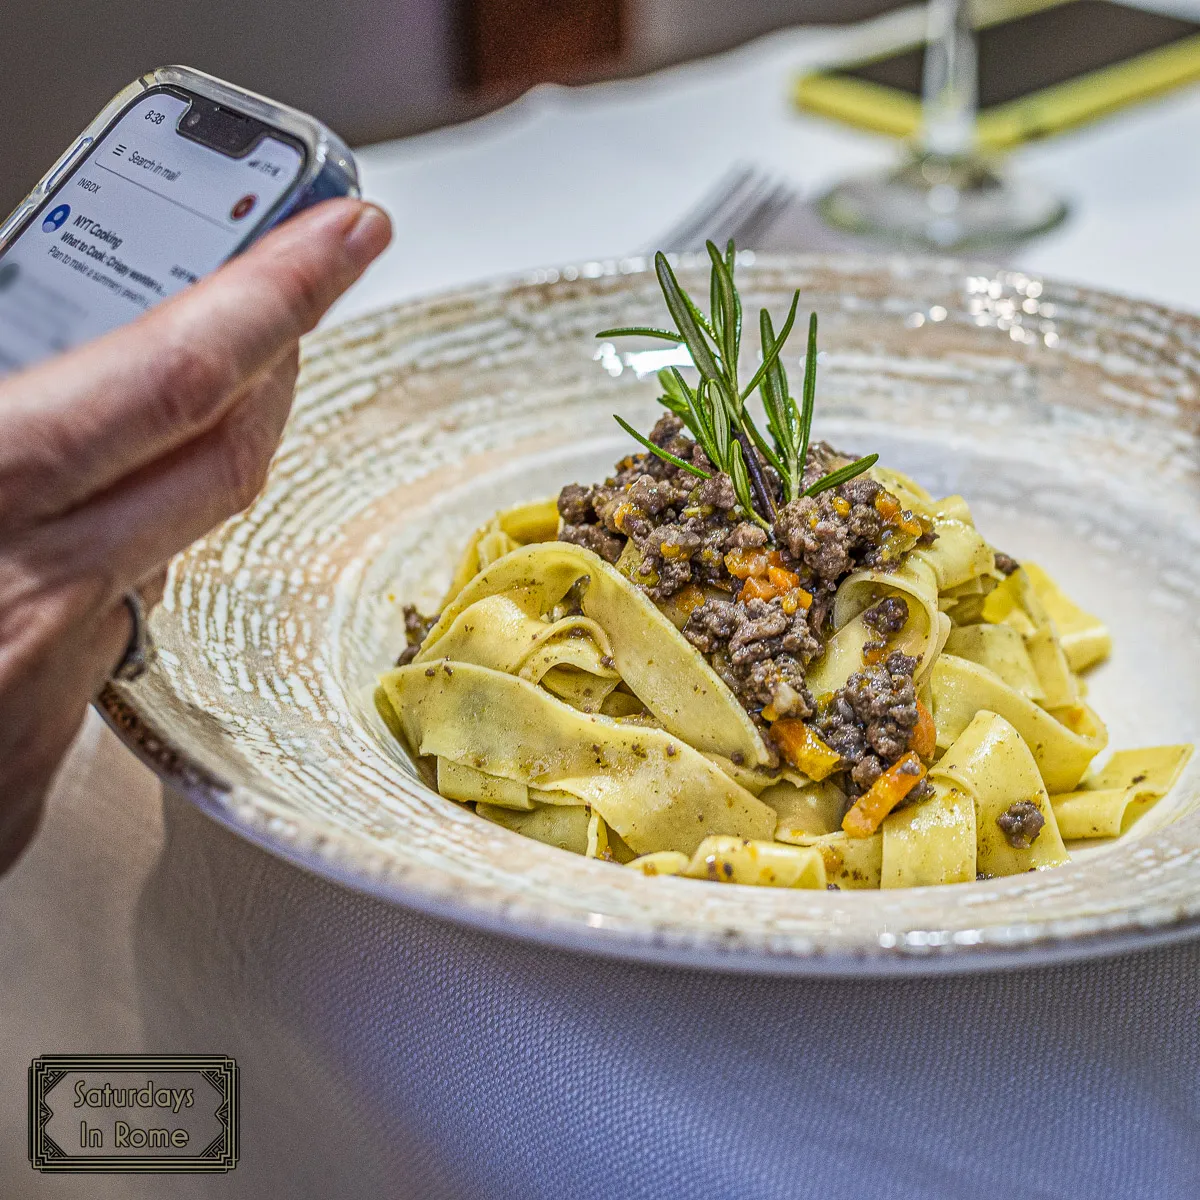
(243, 206)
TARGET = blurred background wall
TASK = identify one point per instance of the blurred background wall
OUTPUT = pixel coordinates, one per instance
(664, 31)
(370, 68)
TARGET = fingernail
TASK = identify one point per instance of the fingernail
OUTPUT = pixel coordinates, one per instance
(366, 239)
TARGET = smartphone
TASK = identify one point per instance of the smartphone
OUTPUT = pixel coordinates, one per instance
(176, 175)
(1045, 66)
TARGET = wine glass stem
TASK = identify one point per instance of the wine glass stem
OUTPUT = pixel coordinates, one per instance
(949, 102)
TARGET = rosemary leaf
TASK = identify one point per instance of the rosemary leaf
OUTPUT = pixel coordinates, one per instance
(682, 309)
(677, 397)
(667, 335)
(776, 378)
(772, 357)
(809, 394)
(722, 436)
(693, 410)
(781, 412)
(665, 455)
(725, 302)
(842, 475)
(702, 411)
(679, 408)
(730, 266)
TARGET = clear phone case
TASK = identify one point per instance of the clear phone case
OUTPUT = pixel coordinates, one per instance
(329, 170)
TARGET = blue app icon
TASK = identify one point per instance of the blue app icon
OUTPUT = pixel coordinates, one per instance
(56, 218)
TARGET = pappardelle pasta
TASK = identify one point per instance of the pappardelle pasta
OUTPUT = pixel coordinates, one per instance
(746, 658)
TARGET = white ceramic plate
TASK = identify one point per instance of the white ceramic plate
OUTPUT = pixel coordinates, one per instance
(1068, 418)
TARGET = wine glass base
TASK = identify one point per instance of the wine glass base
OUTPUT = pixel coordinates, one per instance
(947, 204)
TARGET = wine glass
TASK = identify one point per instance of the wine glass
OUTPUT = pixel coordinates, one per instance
(946, 195)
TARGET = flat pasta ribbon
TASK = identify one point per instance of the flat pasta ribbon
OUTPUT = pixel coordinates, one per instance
(670, 677)
(922, 637)
(1120, 792)
(958, 555)
(508, 529)
(960, 689)
(1001, 649)
(572, 656)
(1085, 638)
(654, 789)
(993, 764)
(1016, 603)
(932, 841)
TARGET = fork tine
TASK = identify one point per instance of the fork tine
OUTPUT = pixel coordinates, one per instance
(740, 217)
(757, 221)
(689, 232)
(741, 204)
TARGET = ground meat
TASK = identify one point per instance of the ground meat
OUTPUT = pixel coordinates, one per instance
(1021, 823)
(829, 542)
(758, 622)
(711, 625)
(683, 527)
(717, 492)
(745, 537)
(888, 616)
(666, 428)
(759, 650)
(416, 630)
(575, 504)
(651, 495)
(869, 721)
(1005, 563)
(593, 538)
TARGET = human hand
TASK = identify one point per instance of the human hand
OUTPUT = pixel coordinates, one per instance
(118, 454)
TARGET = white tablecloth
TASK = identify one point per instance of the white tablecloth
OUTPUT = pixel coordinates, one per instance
(386, 1054)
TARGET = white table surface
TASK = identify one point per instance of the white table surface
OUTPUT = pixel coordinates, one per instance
(386, 1054)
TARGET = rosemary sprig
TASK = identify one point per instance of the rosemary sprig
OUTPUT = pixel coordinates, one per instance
(714, 412)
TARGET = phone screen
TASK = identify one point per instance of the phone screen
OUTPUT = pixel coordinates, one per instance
(145, 213)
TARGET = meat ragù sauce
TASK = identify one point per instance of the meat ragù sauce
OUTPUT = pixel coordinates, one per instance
(758, 603)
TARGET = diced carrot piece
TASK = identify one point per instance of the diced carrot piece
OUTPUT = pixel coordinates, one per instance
(796, 598)
(874, 653)
(907, 523)
(622, 514)
(688, 598)
(775, 559)
(841, 506)
(923, 739)
(783, 580)
(746, 564)
(804, 748)
(757, 589)
(884, 794)
(887, 505)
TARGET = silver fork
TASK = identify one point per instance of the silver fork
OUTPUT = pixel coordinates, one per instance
(741, 205)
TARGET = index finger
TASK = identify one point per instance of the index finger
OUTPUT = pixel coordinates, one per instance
(78, 424)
